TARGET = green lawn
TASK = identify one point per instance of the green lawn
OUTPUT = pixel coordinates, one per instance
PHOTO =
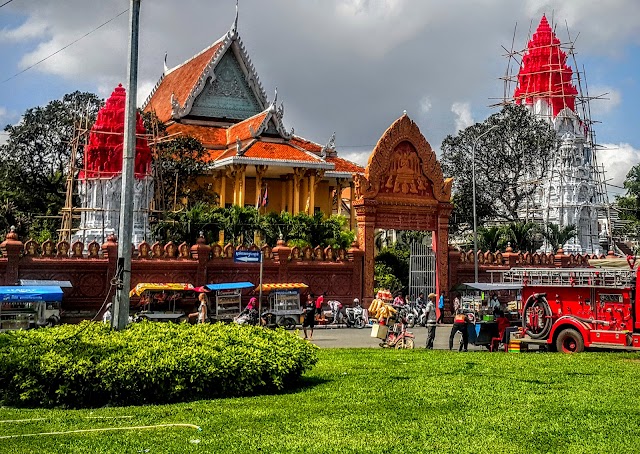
(381, 401)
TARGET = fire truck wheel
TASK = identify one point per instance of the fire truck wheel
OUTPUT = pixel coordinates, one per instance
(569, 341)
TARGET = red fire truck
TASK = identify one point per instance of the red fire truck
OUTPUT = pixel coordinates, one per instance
(569, 310)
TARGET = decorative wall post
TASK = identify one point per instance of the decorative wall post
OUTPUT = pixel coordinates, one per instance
(281, 256)
(11, 248)
(200, 251)
(110, 252)
(356, 255)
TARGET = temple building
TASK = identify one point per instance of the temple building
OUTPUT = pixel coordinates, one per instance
(217, 98)
(100, 180)
(571, 192)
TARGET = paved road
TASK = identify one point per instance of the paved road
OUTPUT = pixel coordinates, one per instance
(333, 337)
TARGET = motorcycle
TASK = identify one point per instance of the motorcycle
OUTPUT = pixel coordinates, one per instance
(267, 319)
(414, 312)
(398, 337)
(354, 316)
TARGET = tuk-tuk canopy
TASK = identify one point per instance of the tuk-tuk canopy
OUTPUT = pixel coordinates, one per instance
(144, 286)
(31, 293)
(228, 286)
(282, 286)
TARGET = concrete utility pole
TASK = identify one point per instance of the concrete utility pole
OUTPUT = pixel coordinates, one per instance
(121, 306)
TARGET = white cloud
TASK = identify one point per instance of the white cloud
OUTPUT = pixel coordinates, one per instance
(31, 29)
(425, 105)
(611, 99)
(464, 118)
(618, 160)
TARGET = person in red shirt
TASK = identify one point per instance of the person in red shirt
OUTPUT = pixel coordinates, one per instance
(319, 302)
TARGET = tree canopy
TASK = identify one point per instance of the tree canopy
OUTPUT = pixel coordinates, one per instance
(513, 150)
(34, 162)
(629, 204)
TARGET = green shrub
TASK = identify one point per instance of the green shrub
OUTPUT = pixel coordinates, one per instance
(147, 363)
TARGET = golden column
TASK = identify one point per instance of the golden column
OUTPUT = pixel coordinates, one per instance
(222, 194)
(290, 194)
(314, 180)
(298, 173)
(352, 211)
(238, 173)
(340, 182)
(260, 171)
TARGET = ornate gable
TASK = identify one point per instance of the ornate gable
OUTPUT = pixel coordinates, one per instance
(178, 89)
(403, 165)
(227, 94)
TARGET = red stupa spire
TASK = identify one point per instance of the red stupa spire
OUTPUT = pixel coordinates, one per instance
(544, 73)
(103, 155)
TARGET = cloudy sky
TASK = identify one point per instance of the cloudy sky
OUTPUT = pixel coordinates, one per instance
(349, 66)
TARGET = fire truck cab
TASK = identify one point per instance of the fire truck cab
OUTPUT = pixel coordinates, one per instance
(570, 310)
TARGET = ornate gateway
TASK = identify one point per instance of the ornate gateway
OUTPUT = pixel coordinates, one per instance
(403, 188)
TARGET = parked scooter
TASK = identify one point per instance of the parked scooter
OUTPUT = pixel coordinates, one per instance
(354, 316)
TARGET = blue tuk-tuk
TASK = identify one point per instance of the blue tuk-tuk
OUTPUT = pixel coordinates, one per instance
(24, 307)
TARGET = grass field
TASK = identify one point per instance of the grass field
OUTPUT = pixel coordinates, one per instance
(380, 401)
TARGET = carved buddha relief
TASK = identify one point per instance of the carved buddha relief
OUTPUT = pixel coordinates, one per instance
(405, 173)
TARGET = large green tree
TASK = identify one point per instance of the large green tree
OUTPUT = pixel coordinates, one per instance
(513, 150)
(34, 162)
(629, 204)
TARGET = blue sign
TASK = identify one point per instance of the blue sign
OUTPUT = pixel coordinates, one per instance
(247, 256)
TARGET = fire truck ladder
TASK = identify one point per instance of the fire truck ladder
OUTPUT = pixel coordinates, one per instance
(574, 277)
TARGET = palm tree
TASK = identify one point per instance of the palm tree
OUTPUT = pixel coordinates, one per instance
(558, 236)
(491, 239)
(522, 235)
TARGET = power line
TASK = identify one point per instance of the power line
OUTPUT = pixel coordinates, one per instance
(6, 3)
(68, 45)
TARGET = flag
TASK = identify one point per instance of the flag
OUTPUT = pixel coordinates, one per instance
(265, 197)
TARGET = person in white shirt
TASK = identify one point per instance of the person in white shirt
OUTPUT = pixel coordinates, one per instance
(106, 317)
(494, 304)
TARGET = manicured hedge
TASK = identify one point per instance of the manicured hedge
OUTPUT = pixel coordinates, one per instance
(147, 363)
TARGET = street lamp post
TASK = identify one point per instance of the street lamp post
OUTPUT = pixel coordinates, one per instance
(473, 185)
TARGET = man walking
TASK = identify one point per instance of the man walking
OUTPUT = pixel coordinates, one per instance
(431, 320)
(441, 308)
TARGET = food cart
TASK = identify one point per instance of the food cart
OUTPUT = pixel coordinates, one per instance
(160, 301)
(228, 299)
(24, 307)
(482, 327)
(284, 303)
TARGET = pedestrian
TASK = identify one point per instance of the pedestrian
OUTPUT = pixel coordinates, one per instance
(431, 320)
(106, 317)
(420, 300)
(202, 309)
(309, 317)
(456, 303)
(441, 308)
(319, 302)
(399, 300)
(460, 321)
(494, 304)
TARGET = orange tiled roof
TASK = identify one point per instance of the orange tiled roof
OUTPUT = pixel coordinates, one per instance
(180, 82)
(209, 136)
(243, 129)
(306, 144)
(280, 151)
(268, 151)
(342, 165)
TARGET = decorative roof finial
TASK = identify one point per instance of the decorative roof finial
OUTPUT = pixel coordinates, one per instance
(275, 97)
(404, 112)
(166, 69)
(234, 28)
